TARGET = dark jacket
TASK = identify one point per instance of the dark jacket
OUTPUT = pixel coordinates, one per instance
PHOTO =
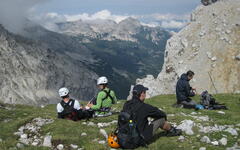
(183, 89)
(144, 111)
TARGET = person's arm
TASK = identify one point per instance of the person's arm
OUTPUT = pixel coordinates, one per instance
(114, 97)
(189, 90)
(76, 105)
(60, 111)
(100, 96)
(155, 113)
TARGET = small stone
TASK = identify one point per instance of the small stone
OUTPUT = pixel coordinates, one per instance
(23, 136)
(193, 113)
(35, 143)
(104, 133)
(194, 45)
(60, 147)
(170, 115)
(214, 58)
(1, 140)
(232, 131)
(228, 31)
(84, 134)
(202, 148)
(215, 143)
(180, 62)
(47, 142)
(209, 54)
(223, 141)
(186, 126)
(91, 124)
(205, 139)
(101, 142)
(42, 106)
(19, 145)
(80, 149)
(221, 112)
(74, 146)
(181, 138)
(84, 123)
(202, 33)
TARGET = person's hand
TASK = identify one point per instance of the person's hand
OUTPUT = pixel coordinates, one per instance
(90, 105)
(194, 89)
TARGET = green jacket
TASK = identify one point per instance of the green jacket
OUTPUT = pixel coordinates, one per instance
(107, 102)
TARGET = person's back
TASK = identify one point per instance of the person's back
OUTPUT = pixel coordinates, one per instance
(144, 111)
(104, 100)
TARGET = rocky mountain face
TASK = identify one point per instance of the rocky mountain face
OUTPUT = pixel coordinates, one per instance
(31, 72)
(121, 51)
(125, 30)
(209, 45)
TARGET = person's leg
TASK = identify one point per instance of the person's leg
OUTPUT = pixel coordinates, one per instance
(189, 104)
(159, 123)
(163, 124)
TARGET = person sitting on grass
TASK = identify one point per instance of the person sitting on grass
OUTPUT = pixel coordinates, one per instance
(141, 114)
(184, 91)
(105, 98)
(69, 108)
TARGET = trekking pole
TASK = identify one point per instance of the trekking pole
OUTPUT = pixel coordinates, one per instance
(212, 82)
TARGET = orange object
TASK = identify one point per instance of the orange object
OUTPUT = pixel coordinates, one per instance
(113, 141)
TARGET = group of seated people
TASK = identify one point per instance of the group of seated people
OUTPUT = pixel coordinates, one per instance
(101, 106)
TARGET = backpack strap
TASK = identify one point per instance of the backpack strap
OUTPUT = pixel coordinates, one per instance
(108, 95)
(64, 105)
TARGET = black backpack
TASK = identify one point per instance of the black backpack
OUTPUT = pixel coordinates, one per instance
(209, 102)
(128, 133)
(69, 111)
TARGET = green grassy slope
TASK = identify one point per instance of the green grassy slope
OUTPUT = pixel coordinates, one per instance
(68, 132)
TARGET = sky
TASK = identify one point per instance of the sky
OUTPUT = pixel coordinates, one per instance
(119, 7)
(165, 13)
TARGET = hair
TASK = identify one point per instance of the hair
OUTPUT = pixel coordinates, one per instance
(67, 96)
(136, 94)
(104, 85)
(190, 73)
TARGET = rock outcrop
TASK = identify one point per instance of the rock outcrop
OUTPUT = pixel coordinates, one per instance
(209, 45)
(31, 73)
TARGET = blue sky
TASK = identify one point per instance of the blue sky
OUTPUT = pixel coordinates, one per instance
(120, 7)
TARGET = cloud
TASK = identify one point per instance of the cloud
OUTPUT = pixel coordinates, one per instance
(49, 20)
(173, 24)
(14, 13)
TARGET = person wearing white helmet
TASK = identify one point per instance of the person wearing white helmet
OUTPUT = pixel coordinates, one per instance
(68, 108)
(105, 98)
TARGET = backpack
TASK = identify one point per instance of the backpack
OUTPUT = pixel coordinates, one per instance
(209, 102)
(69, 111)
(94, 100)
(128, 134)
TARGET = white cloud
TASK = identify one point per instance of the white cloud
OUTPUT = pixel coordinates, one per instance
(173, 24)
(152, 20)
(103, 15)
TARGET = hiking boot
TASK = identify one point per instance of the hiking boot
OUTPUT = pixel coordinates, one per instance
(174, 132)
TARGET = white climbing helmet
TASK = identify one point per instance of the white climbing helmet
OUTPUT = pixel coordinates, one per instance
(102, 80)
(63, 92)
